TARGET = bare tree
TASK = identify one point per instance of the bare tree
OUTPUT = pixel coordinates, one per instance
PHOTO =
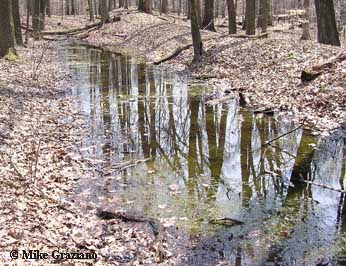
(306, 23)
(232, 17)
(7, 40)
(196, 35)
(250, 17)
(326, 23)
(208, 19)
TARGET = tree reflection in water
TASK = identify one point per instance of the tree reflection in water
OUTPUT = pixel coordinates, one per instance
(216, 160)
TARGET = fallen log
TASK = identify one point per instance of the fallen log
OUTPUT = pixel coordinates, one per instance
(178, 50)
(78, 30)
(317, 70)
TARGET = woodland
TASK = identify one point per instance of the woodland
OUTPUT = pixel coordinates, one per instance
(173, 132)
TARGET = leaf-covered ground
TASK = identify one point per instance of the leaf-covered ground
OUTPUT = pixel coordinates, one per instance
(40, 130)
(267, 71)
(40, 166)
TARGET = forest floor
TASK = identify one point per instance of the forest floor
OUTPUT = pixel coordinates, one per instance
(40, 165)
(267, 71)
(40, 130)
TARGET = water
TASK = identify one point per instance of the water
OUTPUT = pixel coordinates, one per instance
(199, 163)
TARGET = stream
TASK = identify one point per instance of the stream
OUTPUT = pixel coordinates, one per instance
(191, 164)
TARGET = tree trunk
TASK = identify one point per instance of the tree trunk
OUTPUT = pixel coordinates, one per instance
(104, 11)
(141, 5)
(91, 10)
(67, 4)
(42, 14)
(16, 22)
(250, 17)
(306, 23)
(148, 6)
(36, 19)
(343, 12)
(270, 12)
(326, 23)
(263, 15)
(196, 35)
(73, 9)
(48, 10)
(164, 6)
(232, 22)
(7, 40)
(208, 19)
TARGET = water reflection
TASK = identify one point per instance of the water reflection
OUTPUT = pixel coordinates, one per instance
(206, 162)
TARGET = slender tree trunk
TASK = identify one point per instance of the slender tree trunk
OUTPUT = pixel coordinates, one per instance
(306, 23)
(7, 40)
(148, 6)
(164, 6)
(28, 13)
(208, 19)
(196, 35)
(250, 17)
(199, 12)
(48, 9)
(67, 4)
(179, 9)
(264, 15)
(42, 14)
(270, 12)
(73, 9)
(36, 18)
(16, 22)
(91, 11)
(326, 23)
(343, 12)
(141, 5)
(104, 11)
(232, 15)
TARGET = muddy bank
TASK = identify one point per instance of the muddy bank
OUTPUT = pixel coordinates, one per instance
(40, 132)
(267, 71)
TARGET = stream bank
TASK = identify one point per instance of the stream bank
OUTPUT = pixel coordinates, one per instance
(266, 71)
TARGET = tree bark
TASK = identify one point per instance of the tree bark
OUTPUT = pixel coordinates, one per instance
(250, 17)
(264, 15)
(306, 23)
(326, 23)
(91, 10)
(232, 15)
(208, 19)
(16, 22)
(196, 35)
(270, 12)
(36, 19)
(104, 11)
(7, 40)
(164, 6)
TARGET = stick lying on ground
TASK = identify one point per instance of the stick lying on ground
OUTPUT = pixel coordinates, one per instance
(316, 70)
(178, 50)
(80, 29)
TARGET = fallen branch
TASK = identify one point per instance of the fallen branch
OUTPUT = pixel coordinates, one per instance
(178, 50)
(173, 54)
(316, 70)
(77, 30)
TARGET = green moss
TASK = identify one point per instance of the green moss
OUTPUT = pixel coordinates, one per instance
(11, 55)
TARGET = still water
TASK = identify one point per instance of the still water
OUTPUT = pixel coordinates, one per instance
(189, 164)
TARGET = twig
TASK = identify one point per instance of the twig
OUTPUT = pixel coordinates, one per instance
(285, 134)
